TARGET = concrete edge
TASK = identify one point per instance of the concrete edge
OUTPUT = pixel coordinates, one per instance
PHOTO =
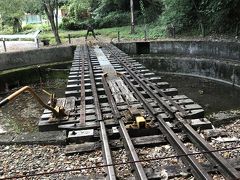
(35, 138)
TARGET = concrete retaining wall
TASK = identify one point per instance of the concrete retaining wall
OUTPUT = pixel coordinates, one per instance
(221, 70)
(129, 48)
(210, 49)
(13, 60)
(215, 60)
(225, 50)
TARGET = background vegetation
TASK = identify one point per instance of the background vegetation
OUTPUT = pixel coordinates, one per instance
(160, 18)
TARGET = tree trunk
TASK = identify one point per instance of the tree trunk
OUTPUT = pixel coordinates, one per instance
(16, 25)
(237, 29)
(200, 18)
(56, 15)
(202, 29)
(49, 6)
(132, 17)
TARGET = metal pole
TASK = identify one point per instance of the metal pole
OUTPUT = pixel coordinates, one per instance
(118, 36)
(145, 35)
(69, 38)
(4, 45)
(37, 41)
(174, 32)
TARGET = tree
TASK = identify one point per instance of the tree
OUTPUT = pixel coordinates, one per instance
(33, 7)
(176, 12)
(201, 15)
(79, 8)
(11, 13)
(132, 17)
(223, 15)
(51, 10)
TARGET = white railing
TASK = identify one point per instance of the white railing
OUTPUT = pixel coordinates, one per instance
(33, 36)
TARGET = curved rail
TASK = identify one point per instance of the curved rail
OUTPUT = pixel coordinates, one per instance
(226, 169)
(197, 169)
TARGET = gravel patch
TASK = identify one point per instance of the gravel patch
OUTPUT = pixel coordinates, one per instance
(23, 160)
(158, 152)
(122, 171)
(231, 141)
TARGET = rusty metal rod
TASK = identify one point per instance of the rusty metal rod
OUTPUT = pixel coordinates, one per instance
(31, 91)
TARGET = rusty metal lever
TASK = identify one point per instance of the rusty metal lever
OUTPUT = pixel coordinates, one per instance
(57, 112)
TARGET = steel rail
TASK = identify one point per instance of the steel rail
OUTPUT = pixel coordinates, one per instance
(111, 174)
(157, 97)
(82, 103)
(138, 169)
(197, 169)
(224, 167)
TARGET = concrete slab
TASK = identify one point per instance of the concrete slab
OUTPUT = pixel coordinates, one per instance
(2, 131)
(43, 138)
(6, 139)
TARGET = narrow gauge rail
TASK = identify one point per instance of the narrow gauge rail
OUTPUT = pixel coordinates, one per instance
(224, 167)
(104, 86)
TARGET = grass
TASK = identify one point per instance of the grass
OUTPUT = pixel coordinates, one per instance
(153, 32)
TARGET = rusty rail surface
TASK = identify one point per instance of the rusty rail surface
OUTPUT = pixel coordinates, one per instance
(226, 169)
(106, 84)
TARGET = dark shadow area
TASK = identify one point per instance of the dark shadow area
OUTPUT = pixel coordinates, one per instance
(143, 47)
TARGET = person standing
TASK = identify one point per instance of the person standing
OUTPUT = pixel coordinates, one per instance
(90, 29)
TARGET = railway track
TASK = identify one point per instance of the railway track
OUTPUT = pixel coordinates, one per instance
(114, 102)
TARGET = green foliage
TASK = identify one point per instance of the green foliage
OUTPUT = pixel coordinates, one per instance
(222, 15)
(107, 6)
(113, 19)
(11, 9)
(176, 12)
(143, 11)
(78, 8)
(69, 23)
(215, 15)
(148, 12)
(79, 12)
(33, 7)
(11, 12)
(28, 27)
(218, 16)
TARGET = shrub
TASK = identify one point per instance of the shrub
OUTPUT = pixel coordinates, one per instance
(28, 27)
(71, 24)
(113, 19)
